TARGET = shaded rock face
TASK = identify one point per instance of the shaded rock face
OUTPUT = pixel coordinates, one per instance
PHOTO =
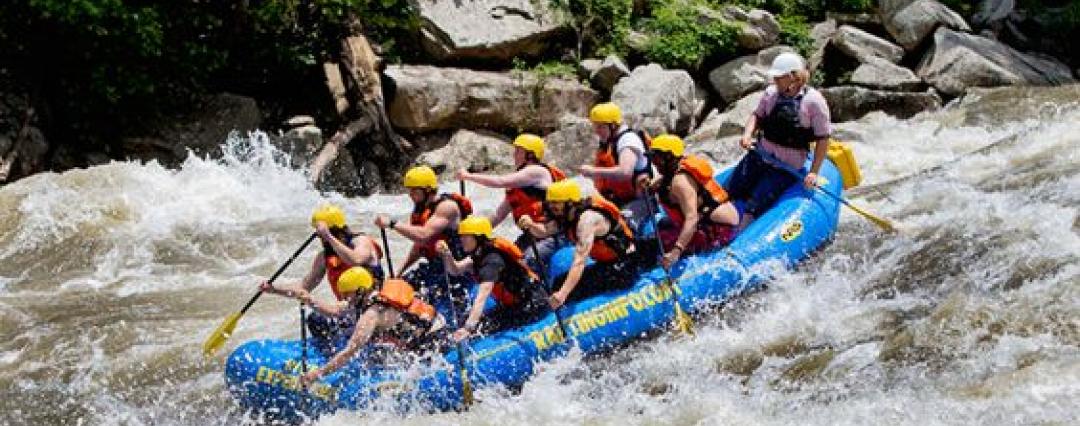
(572, 145)
(430, 98)
(658, 100)
(488, 29)
(820, 33)
(959, 61)
(758, 29)
(851, 103)
(23, 146)
(202, 131)
(475, 151)
(911, 21)
(862, 45)
(744, 75)
(608, 73)
(877, 73)
(731, 122)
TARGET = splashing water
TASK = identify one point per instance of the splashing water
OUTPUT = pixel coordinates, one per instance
(113, 275)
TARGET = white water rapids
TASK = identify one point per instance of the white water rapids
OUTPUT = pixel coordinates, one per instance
(111, 277)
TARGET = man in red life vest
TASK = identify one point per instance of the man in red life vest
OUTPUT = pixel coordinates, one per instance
(695, 204)
(621, 168)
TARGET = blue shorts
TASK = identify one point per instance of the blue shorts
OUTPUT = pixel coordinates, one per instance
(756, 185)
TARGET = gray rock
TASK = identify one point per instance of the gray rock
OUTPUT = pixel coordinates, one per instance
(851, 103)
(992, 12)
(728, 123)
(572, 145)
(299, 121)
(587, 67)
(744, 75)
(861, 45)
(657, 100)
(911, 21)
(758, 29)
(856, 19)
(476, 151)
(608, 73)
(202, 132)
(820, 33)
(488, 29)
(958, 61)
(431, 98)
(877, 73)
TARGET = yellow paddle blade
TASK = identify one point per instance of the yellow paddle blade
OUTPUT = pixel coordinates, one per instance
(217, 339)
(466, 389)
(683, 322)
(879, 221)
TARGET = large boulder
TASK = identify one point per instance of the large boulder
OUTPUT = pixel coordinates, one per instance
(572, 145)
(861, 45)
(430, 98)
(878, 73)
(488, 29)
(758, 29)
(820, 33)
(744, 75)
(848, 103)
(475, 151)
(202, 131)
(608, 73)
(958, 61)
(302, 141)
(731, 122)
(658, 100)
(911, 21)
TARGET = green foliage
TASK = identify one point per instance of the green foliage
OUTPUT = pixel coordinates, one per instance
(601, 25)
(795, 32)
(684, 33)
(115, 63)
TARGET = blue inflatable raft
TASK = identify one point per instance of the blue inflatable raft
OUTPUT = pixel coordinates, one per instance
(263, 374)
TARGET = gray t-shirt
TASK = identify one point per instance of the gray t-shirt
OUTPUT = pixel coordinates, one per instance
(490, 267)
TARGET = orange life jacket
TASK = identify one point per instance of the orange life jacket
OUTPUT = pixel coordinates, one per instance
(619, 191)
(512, 286)
(421, 215)
(710, 194)
(335, 266)
(530, 200)
(617, 242)
(398, 294)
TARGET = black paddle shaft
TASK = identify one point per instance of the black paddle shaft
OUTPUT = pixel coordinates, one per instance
(386, 247)
(543, 281)
(280, 271)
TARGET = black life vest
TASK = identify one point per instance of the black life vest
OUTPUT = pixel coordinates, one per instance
(783, 127)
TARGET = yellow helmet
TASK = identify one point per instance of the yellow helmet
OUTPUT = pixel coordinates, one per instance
(331, 214)
(355, 278)
(421, 177)
(475, 225)
(606, 113)
(566, 190)
(531, 143)
(668, 143)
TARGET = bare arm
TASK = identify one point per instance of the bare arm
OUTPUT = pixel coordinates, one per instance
(821, 150)
(682, 190)
(525, 177)
(444, 214)
(359, 255)
(586, 231)
(331, 309)
(453, 266)
(540, 230)
(477, 309)
(307, 284)
(365, 328)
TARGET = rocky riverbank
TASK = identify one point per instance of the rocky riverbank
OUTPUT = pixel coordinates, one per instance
(487, 73)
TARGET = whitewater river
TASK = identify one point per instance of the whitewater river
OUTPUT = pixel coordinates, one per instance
(111, 277)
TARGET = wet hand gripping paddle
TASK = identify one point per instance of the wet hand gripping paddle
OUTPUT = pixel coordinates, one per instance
(222, 333)
(881, 222)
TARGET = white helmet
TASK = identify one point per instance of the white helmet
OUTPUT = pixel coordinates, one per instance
(786, 63)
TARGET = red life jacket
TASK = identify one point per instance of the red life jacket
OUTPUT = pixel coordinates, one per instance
(530, 200)
(335, 265)
(421, 215)
(618, 240)
(619, 191)
(512, 286)
(710, 194)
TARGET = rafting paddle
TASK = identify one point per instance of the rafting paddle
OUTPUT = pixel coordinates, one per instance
(218, 337)
(683, 322)
(881, 222)
(543, 281)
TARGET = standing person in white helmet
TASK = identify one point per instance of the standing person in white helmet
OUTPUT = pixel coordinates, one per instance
(790, 116)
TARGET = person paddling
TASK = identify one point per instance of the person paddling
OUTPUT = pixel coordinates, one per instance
(342, 249)
(620, 169)
(524, 193)
(386, 309)
(499, 267)
(790, 116)
(696, 206)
